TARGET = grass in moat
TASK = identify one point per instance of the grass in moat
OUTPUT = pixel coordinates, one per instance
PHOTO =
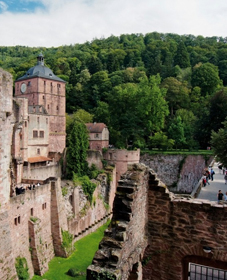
(81, 258)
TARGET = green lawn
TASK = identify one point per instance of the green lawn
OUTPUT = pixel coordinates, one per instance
(80, 259)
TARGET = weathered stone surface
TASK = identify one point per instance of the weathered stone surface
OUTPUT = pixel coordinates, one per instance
(180, 173)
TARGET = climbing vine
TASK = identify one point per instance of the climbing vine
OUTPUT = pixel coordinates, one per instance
(22, 268)
(67, 241)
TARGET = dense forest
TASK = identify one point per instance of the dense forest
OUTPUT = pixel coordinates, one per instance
(154, 90)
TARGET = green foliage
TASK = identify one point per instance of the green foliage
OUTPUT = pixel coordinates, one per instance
(117, 81)
(22, 268)
(77, 149)
(87, 186)
(206, 77)
(218, 142)
(64, 191)
(103, 275)
(80, 259)
(67, 239)
(33, 219)
(176, 132)
(160, 141)
(73, 272)
(104, 150)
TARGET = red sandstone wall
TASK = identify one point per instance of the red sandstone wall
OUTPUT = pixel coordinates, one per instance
(168, 170)
(121, 159)
(25, 238)
(6, 130)
(124, 242)
(178, 229)
(87, 221)
(94, 157)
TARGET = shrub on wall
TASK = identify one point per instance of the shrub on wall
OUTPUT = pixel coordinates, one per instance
(22, 268)
(87, 186)
(67, 239)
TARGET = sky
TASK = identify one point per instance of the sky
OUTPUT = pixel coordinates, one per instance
(53, 23)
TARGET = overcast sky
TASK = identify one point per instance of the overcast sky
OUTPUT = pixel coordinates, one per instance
(50, 23)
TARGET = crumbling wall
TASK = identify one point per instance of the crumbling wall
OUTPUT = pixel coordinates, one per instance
(122, 247)
(175, 231)
(86, 216)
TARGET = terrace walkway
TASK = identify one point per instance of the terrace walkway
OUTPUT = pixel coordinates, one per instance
(210, 191)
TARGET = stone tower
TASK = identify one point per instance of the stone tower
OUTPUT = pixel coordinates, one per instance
(42, 88)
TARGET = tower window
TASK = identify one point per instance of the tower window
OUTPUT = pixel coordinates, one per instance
(38, 119)
(38, 151)
(41, 134)
(35, 134)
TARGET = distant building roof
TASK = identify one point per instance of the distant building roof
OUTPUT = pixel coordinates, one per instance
(38, 159)
(40, 71)
(95, 127)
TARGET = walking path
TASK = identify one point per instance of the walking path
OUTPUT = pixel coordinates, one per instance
(210, 191)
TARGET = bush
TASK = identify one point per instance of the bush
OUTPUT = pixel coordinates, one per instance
(73, 272)
(67, 239)
(87, 186)
(22, 268)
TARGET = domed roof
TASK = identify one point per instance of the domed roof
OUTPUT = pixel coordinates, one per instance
(40, 71)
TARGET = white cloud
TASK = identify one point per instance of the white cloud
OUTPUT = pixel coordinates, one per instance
(3, 6)
(66, 22)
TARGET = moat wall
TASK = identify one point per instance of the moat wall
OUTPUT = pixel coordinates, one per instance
(180, 173)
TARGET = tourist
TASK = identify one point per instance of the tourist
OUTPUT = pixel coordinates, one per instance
(220, 168)
(207, 173)
(225, 177)
(212, 173)
(219, 196)
(204, 180)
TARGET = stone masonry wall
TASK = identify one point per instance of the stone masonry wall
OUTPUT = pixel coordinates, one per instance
(6, 129)
(84, 217)
(31, 228)
(178, 229)
(124, 242)
(174, 230)
(180, 173)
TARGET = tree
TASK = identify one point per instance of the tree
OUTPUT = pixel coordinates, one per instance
(182, 57)
(78, 144)
(218, 143)
(206, 77)
(176, 132)
(160, 141)
(136, 110)
(177, 94)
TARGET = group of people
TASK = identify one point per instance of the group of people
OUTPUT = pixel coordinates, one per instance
(208, 175)
(20, 189)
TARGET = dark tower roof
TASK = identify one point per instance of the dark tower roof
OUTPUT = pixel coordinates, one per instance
(40, 71)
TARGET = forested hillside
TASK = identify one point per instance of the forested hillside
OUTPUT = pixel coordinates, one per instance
(153, 90)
